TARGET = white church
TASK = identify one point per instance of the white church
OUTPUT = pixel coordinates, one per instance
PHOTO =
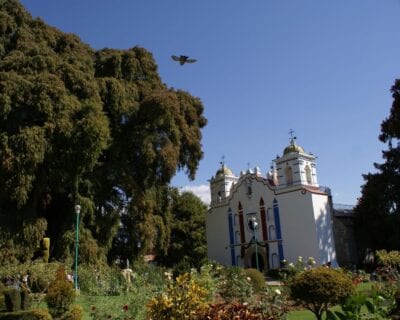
(261, 221)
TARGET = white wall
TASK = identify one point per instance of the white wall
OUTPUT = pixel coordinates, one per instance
(326, 243)
(298, 226)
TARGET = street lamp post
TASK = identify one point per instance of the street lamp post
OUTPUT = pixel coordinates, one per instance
(77, 211)
(255, 226)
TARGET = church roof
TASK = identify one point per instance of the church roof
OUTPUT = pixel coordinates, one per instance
(224, 170)
(293, 147)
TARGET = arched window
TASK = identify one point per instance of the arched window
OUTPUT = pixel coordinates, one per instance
(308, 174)
(272, 234)
(240, 206)
(261, 202)
(289, 175)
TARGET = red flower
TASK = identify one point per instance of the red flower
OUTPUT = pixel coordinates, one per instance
(125, 308)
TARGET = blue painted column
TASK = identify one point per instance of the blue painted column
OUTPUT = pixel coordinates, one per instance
(278, 230)
(231, 237)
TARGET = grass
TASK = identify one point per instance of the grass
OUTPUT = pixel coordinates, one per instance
(306, 315)
(86, 302)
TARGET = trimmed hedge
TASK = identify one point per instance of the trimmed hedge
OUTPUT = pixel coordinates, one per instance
(12, 299)
(34, 314)
(257, 279)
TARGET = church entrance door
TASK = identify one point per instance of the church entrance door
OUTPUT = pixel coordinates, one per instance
(260, 261)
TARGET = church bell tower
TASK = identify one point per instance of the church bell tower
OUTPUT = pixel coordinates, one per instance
(221, 184)
(296, 167)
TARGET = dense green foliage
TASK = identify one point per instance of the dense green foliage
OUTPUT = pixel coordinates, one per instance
(377, 215)
(98, 128)
(320, 288)
(60, 294)
(188, 231)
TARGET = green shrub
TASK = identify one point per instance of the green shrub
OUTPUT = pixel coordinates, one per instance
(181, 267)
(40, 273)
(183, 299)
(388, 259)
(257, 279)
(207, 279)
(2, 303)
(233, 285)
(34, 314)
(361, 306)
(100, 280)
(75, 313)
(396, 309)
(40, 314)
(273, 303)
(60, 294)
(12, 299)
(229, 311)
(2, 289)
(318, 289)
(25, 299)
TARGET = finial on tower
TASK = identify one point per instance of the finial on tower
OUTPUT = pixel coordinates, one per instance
(292, 137)
(222, 161)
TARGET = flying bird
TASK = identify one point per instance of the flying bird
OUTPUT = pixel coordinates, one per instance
(183, 59)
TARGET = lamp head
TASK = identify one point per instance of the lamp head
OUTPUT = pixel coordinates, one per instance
(253, 223)
(77, 209)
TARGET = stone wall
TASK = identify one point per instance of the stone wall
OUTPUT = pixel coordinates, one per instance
(343, 232)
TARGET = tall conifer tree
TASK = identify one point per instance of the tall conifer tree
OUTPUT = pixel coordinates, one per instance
(377, 215)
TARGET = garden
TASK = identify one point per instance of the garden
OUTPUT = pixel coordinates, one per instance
(40, 290)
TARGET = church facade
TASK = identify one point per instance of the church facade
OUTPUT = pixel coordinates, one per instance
(262, 221)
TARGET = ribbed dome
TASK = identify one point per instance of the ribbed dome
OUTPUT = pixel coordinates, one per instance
(293, 147)
(224, 170)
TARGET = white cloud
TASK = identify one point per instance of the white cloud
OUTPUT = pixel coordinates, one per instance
(202, 191)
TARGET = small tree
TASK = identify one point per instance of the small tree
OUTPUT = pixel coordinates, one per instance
(60, 294)
(318, 289)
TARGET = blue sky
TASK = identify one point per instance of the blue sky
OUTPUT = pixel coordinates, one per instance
(321, 68)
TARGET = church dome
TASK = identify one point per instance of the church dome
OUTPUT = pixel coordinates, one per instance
(224, 170)
(293, 147)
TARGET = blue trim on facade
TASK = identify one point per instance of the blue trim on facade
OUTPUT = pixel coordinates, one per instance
(231, 237)
(278, 230)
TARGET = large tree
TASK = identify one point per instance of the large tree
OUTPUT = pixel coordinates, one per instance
(188, 231)
(77, 125)
(377, 215)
